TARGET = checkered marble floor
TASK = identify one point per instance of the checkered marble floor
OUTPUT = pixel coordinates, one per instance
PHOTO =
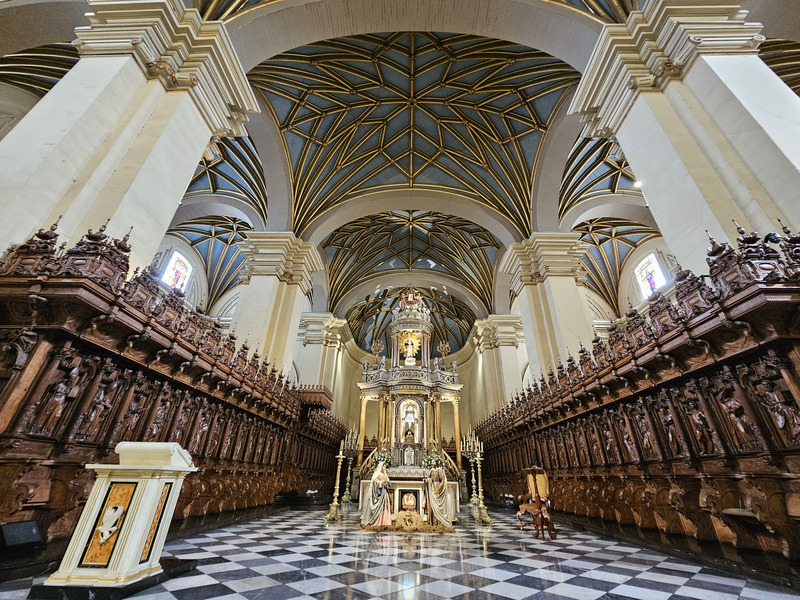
(292, 555)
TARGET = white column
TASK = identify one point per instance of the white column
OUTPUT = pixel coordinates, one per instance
(709, 129)
(320, 339)
(121, 134)
(279, 269)
(547, 280)
(497, 338)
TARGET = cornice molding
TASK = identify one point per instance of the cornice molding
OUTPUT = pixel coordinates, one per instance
(656, 44)
(321, 328)
(497, 330)
(544, 255)
(280, 254)
(173, 44)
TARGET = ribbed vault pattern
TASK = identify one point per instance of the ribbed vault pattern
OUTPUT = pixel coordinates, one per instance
(38, 69)
(214, 240)
(783, 57)
(456, 113)
(369, 318)
(593, 171)
(407, 241)
(612, 241)
(232, 168)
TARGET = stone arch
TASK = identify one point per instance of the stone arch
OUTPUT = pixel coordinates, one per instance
(267, 30)
(631, 208)
(212, 205)
(277, 179)
(420, 280)
(411, 199)
(781, 18)
(31, 23)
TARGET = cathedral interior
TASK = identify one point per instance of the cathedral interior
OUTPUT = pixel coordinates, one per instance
(504, 233)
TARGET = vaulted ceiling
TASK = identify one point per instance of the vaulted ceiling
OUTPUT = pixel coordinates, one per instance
(214, 240)
(231, 168)
(455, 113)
(394, 111)
(611, 244)
(38, 69)
(403, 242)
(594, 170)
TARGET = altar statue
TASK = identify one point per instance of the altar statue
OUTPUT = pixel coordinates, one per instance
(378, 504)
(436, 488)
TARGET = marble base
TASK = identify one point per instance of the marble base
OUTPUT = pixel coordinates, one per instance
(172, 567)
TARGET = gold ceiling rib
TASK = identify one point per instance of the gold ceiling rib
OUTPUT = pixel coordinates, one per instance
(593, 171)
(214, 239)
(37, 70)
(408, 241)
(232, 168)
(612, 242)
(457, 113)
(783, 57)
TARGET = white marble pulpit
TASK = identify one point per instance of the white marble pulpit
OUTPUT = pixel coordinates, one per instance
(121, 532)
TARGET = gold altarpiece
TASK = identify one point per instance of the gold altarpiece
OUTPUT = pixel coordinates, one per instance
(410, 392)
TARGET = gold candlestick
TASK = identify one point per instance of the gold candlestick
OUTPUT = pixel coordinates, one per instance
(333, 510)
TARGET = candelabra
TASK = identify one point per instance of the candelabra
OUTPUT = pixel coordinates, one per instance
(350, 451)
(469, 445)
(333, 510)
(472, 448)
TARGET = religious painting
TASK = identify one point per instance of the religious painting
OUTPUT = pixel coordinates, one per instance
(409, 500)
(151, 536)
(108, 524)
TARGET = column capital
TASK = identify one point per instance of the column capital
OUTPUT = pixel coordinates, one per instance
(280, 254)
(321, 328)
(541, 256)
(498, 330)
(174, 44)
(655, 45)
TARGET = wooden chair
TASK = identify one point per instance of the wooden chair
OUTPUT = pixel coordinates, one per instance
(539, 495)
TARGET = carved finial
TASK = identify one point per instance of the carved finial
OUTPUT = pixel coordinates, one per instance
(739, 228)
(123, 245)
(785, 229)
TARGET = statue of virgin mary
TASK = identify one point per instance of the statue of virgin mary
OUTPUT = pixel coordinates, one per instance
(378, 505)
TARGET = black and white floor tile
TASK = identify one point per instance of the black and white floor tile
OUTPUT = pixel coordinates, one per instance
(293, 556)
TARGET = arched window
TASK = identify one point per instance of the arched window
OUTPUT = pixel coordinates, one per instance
(649, 275)
(177, 272)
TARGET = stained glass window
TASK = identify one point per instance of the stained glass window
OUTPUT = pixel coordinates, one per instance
(177, 272)
(649, 275)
